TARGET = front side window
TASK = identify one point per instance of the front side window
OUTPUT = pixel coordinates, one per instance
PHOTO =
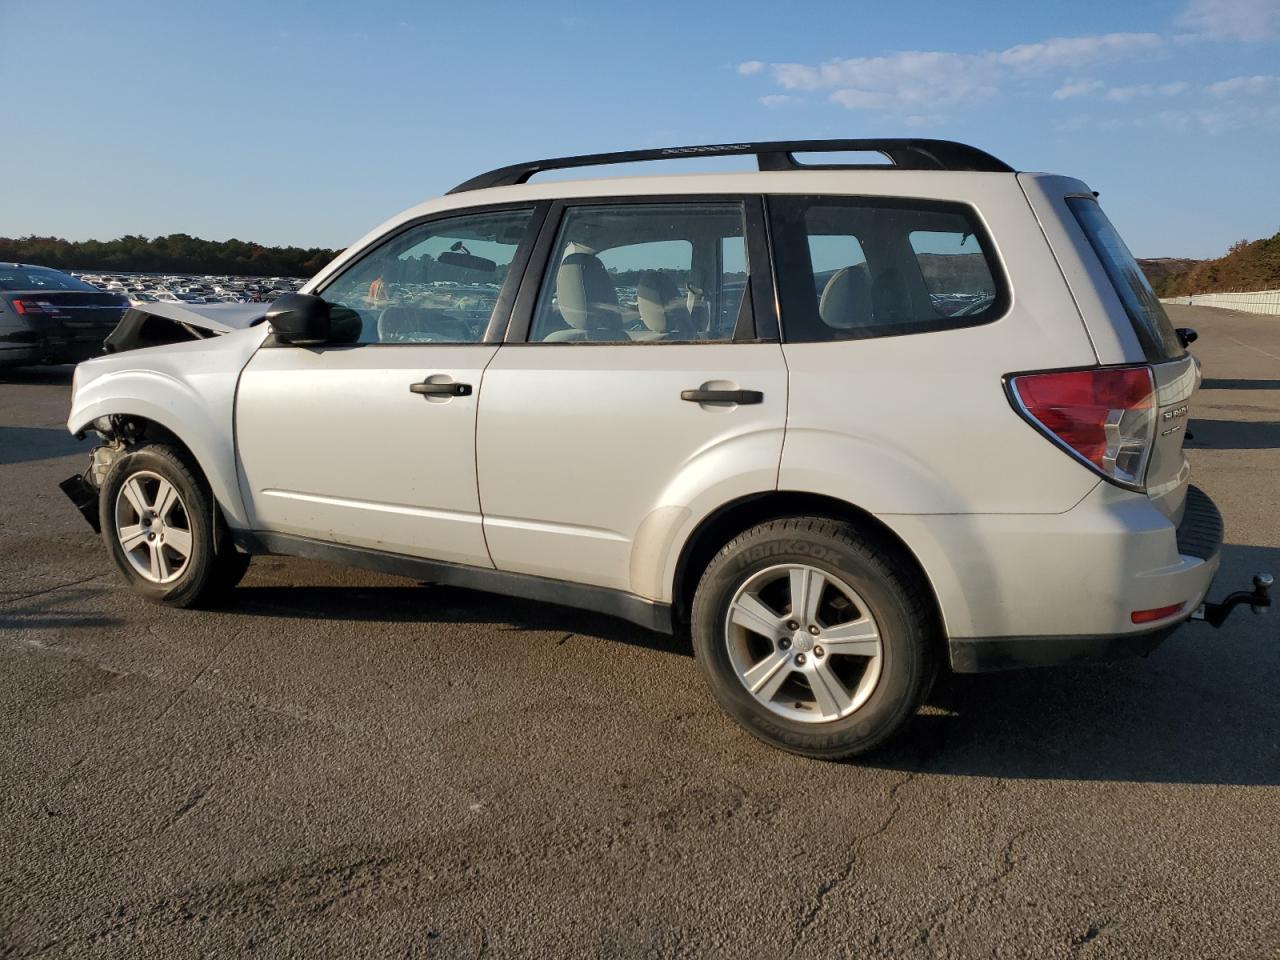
(1150, 323)
(650, 273)
(852, 268)
(437, 282)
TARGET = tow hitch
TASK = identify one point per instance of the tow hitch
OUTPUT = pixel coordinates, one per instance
(1215, 614)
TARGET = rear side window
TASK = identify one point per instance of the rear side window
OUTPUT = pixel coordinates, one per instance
(1150, 322)
(38, 278)
(856, 267)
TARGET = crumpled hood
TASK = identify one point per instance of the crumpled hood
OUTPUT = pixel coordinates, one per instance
(152, 324)
(217, 317)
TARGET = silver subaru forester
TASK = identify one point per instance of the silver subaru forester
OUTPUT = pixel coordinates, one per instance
(846, 424)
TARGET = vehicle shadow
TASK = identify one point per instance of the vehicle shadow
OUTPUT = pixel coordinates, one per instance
(1200, 710)
(38, 375)
(1234, 434)
(26, 444)
(1211, 383)
(438, 604)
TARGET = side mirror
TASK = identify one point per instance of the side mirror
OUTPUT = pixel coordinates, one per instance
(299, 319)
(1186, 336)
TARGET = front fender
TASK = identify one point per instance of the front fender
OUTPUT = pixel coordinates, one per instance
(187, 388)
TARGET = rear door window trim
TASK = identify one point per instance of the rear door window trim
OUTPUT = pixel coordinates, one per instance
(764, 325)
(785, 235)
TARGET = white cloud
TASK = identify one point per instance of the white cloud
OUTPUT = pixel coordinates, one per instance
(779, 100)
(912, 79)
(1232, 19)
(1250, 117)
(1193, 121)
(1122, 94)
(1077, 88)
(1245, 86)
(924, 120)
(1069, 52)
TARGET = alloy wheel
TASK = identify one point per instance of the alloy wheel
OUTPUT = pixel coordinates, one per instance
(153, 527)
(804, 643)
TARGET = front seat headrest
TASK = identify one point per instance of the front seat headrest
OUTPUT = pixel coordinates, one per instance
(662, 308)
(586, 295)
(846, 299)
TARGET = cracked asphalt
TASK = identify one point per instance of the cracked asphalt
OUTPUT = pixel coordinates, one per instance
(346, 764)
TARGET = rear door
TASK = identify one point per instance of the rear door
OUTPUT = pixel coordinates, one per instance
(369, 440)
(641, 384)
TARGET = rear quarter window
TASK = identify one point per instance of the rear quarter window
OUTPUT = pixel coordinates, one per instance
(1150, 323)
(857, 267)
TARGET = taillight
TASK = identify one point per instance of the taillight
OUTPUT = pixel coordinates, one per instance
(1105, 417)
(29, 306)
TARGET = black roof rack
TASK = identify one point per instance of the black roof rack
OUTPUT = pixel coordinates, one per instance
(906, 154)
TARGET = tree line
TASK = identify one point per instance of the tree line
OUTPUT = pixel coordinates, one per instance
(1247, 266)
(175, 253)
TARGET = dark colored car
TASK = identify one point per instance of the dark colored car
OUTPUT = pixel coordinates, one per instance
(47, 316)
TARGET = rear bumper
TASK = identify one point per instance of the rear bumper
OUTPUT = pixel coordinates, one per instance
(988, 654)
(1048, 589)
(12, 355)
(53, 341)
(72, 346)
(1198, 542)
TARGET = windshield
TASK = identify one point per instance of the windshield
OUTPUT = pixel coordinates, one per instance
(1150, 322)
(40, 278)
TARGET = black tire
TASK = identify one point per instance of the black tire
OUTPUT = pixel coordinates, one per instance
(896, 599)
(208, 572)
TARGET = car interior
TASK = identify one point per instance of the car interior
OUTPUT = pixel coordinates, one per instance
(645, 273)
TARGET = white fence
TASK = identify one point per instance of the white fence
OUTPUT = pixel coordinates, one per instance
(1260, 301)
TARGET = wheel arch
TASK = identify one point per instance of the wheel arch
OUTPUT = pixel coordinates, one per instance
(737, 516)
(150, 422)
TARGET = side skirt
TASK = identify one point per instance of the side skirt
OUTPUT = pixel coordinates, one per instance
(616, 603)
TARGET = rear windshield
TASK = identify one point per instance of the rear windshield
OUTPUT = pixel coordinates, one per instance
(40, 278)
(1150, 322)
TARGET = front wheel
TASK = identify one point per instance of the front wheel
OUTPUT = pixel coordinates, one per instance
(813, 638)
(157, 519)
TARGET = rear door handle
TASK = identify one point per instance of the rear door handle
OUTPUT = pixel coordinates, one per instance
(722, 396)
(441, 389)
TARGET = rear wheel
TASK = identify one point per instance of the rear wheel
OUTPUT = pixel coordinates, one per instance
(158, 524)
(815, 639)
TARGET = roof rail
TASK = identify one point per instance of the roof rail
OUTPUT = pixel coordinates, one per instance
(906, 154)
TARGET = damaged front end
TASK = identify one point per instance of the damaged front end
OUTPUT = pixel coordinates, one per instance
(159, 324)
(118, 434)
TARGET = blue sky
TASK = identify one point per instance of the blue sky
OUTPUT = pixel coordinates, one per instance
(310, 123)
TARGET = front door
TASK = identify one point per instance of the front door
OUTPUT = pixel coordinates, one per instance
(640, 397)
(370, 442)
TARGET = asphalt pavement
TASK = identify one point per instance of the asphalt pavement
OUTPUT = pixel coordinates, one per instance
(346, 764)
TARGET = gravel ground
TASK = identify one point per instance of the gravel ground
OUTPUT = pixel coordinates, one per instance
(344, 764)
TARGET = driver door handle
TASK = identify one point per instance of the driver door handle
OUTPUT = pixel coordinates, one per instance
(441, 389)
(722, 396)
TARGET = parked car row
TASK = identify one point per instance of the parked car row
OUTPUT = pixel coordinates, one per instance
(48, 316)
(181, 288)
